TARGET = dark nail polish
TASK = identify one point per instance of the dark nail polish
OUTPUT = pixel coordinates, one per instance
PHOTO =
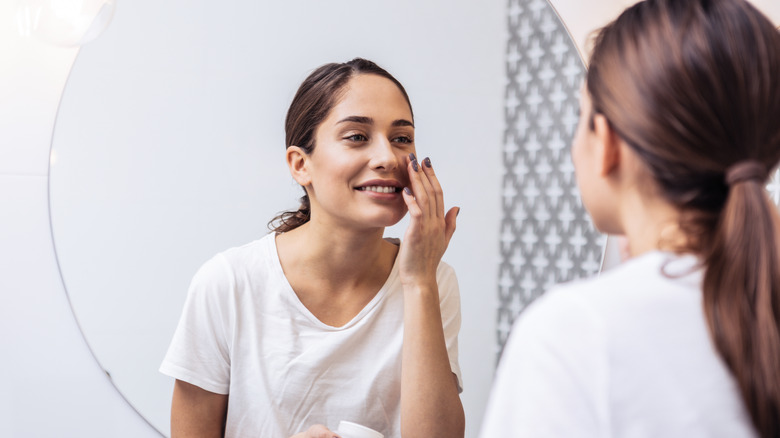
(412, 157)
(407, 190)
(457, 212)
(427, 162)
(414, 166)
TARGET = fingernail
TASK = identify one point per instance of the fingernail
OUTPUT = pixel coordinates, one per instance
(414, 166)
(427, 162)
(412, 157)
(407, 190)
(457, 212)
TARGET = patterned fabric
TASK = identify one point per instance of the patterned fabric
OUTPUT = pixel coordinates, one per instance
(546, 235)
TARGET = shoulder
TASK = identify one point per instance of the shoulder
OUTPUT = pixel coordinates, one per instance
(226, 268)
(215, 271)
(261, 249)
(579, 308)
(449, 291)
(655, 276)
(561, 315)
(445, 272)
(627, 296)
(257, 255)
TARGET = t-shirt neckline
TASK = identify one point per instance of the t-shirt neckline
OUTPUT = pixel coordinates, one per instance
(293, 297)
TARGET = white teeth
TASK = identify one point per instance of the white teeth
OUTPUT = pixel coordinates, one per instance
(379, 189)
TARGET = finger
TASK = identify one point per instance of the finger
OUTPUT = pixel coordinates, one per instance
(416, 176)
(320, 431)
(449, 224)
(429, 191)
(411, 203)
(435, 187)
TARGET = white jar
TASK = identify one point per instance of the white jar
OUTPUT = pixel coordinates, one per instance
(348, 429)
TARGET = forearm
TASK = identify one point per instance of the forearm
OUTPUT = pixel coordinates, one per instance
(430, 404)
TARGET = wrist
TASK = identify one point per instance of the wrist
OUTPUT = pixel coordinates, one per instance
(421, 287)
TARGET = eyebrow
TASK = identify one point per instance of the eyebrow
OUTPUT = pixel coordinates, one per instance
(369, 121)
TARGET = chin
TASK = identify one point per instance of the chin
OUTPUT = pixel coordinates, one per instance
(603, 216)
(386, 219)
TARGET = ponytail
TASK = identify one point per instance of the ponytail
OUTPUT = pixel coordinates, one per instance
(290, 220)
(691, 87)
(742, 294)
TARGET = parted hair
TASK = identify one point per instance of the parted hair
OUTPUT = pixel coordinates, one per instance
(693, 88)
(313, 101)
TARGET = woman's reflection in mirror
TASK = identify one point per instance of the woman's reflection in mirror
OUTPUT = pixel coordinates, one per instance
(324, 319)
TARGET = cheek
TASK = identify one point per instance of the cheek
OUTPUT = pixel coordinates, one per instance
(403, 159)
(579, 161)
(581, 151)
(403, 154)
(338, 162)
(330, 173)
(582, 171)
(578, 145)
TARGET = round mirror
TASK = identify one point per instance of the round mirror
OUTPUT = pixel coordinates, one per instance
(169, 147)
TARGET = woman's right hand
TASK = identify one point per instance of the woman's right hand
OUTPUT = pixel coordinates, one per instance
(430, 228)
(317, 431)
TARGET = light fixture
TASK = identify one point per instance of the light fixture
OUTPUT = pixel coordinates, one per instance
(64, 23)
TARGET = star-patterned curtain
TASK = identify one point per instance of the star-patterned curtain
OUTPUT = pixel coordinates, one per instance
(546, 235)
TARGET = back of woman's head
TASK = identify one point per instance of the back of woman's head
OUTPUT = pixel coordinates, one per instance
(693, 88)
(316, 97)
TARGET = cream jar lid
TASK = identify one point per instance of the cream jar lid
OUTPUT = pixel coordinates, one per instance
(348, 429)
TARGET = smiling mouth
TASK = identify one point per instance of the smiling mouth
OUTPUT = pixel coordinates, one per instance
(379, 189)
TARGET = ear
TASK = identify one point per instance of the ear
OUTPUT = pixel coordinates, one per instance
(608, 147)
(297, 161)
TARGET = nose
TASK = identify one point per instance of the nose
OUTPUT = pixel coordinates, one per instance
(384, 156)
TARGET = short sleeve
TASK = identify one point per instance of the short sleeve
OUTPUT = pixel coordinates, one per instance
(200, 350)
(551, 381)
(449, 304)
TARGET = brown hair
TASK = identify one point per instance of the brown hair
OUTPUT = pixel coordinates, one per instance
(693, 87)
(316, 96)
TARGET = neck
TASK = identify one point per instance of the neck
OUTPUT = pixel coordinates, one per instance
(335, 255)
(651, 224)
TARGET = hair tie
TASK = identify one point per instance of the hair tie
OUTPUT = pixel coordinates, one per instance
(748, 170)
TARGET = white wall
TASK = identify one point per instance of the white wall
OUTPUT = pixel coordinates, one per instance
(52, 386)
(57, 388)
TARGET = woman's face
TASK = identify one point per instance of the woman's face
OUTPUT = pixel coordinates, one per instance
(357, 169)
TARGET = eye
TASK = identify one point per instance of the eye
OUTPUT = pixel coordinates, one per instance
(403, 139)
(356, 137)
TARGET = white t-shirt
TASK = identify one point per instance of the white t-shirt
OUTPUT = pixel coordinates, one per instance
(245, 333)
(627, 354)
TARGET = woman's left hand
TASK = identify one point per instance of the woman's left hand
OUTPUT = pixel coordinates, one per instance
(430, 229)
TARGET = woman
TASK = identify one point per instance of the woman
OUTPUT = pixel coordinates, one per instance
(324, 320)
(678, 134)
